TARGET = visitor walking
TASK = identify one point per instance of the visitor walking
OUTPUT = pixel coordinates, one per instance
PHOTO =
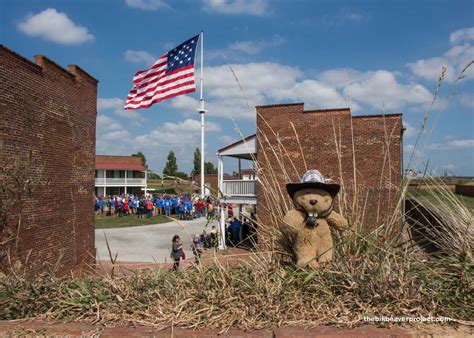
(176, 252)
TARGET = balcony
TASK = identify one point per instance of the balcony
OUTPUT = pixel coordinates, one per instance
(240, 188)
(120, 182)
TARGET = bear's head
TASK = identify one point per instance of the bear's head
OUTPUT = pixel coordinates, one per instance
(314, 202)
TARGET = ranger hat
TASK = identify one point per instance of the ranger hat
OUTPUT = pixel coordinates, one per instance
(313, 179)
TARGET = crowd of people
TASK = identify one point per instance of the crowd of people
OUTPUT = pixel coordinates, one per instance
(187, 207)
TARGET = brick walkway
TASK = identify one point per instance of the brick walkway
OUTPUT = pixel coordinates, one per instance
(41, 328)
(230, 257)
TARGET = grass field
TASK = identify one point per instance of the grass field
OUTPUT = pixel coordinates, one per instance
(171, 187)
(437, 197)
(103, 222)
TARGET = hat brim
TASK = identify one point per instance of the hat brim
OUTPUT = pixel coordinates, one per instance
(331, 188)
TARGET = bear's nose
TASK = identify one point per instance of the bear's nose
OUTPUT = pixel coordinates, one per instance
(313, 202)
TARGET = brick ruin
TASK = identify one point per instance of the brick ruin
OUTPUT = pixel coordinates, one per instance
(328, 139)
(47, 132)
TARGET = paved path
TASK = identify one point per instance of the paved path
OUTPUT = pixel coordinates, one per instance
(147, 243)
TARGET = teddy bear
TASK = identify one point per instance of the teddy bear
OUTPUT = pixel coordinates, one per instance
(307, 225)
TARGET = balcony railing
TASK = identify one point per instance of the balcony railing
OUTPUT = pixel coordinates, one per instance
(239, 187)
(120, 181)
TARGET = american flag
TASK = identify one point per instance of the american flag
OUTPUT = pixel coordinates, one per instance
(171, 75)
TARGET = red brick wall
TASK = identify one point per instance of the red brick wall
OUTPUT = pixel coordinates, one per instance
(49, 114)
(466, 190)
(323, 140)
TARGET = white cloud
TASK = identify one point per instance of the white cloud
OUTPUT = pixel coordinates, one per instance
(109, 133)
(147, 5)
(453, 145)
(381, 89)
(181, 137)
(106, 122)
(225, 97)
(54, 26)
(314, 94)
(139, 56)
(465, 34)
(455, 59)
(186, 133)
(410, 131)
(340, 77)
(251, 47)
(109, 103)
(267, 83)
(116, 105)
(251, 7)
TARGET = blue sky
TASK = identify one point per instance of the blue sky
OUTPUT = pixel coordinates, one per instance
(372, 56)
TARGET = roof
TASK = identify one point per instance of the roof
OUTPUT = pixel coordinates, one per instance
(232, 145)
(280, 105)
(118, 162)
(377, 115)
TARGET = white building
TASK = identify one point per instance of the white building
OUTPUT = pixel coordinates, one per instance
(242, 191)
(115, 175)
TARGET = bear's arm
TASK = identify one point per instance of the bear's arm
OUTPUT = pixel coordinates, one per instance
(292, 221)
(337, 221)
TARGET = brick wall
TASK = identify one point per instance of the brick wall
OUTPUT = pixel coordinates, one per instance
(323, 140)
(466, 190)
(48, 119)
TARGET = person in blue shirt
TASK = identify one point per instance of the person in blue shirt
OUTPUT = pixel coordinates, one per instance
(167, 204)
(175, 204)
(189, 209)
(159, 204)
(234, 230)
(100, 205)
(135, 205)
(181, 210)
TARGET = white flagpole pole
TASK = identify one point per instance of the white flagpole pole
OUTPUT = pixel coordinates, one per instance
(202, 112)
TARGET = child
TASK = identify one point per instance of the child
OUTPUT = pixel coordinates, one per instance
(197, 248)
(176, 252)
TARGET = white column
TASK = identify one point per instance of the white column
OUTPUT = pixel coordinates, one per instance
(202, 112)
(105, 181)
(146, 183)
(202, 149)
(222, 245)
(220, 178)
(219, 170)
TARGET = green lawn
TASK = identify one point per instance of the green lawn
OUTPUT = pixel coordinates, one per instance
(436, 197)
(103, 222)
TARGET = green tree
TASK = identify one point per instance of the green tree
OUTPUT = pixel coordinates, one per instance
(171, 167)
(197, 162)
(209, 168)
(142, 156)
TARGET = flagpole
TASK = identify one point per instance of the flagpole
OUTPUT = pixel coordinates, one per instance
(202, 112)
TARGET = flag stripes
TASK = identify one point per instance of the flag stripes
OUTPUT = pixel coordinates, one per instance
(171, 75)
